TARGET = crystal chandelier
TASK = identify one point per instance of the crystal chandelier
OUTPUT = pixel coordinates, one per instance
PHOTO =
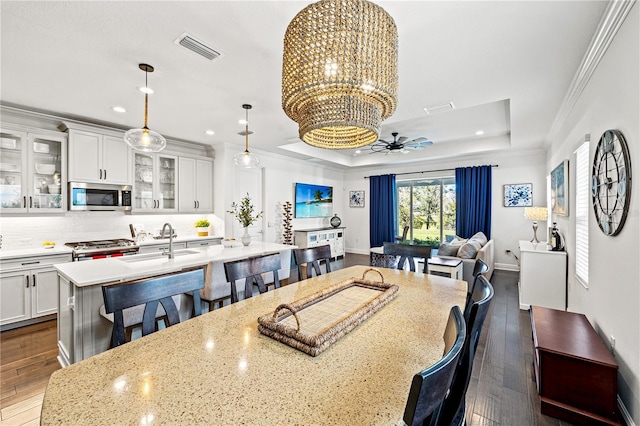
(340, 72)
(246, 159)
(145, 139)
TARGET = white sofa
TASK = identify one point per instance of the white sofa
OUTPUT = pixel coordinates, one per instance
(485, 253)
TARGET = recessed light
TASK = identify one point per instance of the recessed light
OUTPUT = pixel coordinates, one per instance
(210, 132)
(243, 121)
(358, 151)
(118, 109)
(148, 90)
(479, 133)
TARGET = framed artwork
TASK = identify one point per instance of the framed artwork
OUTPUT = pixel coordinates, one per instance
(518, 195)
(356, 198)
(559, 187)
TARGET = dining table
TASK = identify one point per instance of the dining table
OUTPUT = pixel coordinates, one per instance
(217, 368)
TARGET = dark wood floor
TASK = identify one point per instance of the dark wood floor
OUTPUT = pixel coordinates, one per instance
(502, 391)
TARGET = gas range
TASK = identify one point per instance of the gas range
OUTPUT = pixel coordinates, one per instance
(87, 250)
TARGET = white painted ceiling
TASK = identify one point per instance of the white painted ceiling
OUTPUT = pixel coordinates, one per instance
(505, 65)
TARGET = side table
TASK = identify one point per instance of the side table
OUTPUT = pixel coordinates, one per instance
(451, 268)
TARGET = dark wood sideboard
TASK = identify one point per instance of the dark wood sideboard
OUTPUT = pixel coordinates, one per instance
(576, 375)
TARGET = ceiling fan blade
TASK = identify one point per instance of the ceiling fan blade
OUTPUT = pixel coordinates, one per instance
(420, 140)
(401, 139)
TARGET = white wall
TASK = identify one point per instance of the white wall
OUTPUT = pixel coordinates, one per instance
(508, 224)
(611, 100)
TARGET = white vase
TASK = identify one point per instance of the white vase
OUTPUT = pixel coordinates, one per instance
(246, 238)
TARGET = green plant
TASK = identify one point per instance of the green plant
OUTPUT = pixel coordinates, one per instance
(243, 212)
(202, 223)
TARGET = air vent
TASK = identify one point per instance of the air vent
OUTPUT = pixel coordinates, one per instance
(191, 43)
(435, 109)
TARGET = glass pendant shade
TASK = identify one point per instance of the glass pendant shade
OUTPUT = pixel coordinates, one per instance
(340, 72)
(145, 139)
(246, 160)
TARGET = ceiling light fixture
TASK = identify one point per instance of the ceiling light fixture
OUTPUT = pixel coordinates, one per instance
(479, 133)
(245, 159)
(340, 72)
(144, 139)
(119, 109)
(210, 132)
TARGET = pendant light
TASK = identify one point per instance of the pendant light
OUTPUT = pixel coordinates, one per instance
(144, 139)
(246, 160)
(340, 72)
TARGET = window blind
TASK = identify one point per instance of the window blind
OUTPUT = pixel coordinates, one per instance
(582, 214)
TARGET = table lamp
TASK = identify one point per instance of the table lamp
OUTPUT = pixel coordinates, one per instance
(535, 214)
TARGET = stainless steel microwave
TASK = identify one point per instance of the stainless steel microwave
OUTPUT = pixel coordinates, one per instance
(99, 196)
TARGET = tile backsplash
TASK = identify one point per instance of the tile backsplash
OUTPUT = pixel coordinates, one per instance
(23, 232)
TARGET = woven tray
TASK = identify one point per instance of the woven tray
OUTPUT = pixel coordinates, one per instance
(313, 323)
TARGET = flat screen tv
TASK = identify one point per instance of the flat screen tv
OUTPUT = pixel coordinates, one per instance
(313, 200)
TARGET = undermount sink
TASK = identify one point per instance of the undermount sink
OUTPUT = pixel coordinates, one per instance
(152, 256)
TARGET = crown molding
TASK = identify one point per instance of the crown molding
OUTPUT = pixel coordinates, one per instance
(610, 23)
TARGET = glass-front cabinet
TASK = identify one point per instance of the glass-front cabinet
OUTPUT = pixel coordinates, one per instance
(32, 172)
(155, 182)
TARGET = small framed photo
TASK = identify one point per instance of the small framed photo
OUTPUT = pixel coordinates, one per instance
(518, 195)
(356, 198)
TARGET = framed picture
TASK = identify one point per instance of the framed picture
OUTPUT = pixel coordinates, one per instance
(356, 198)
(518, 195)
(559, 187)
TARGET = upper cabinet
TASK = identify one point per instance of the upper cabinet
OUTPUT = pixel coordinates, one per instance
(155, 182)
(99, 157)
(32, 171)
(195, 185)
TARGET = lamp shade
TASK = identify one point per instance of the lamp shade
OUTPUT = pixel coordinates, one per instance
(145, 140)
(535, 213)
(340, 72)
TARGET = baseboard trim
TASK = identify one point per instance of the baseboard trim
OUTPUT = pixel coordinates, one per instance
(625, 413)
(357, 251)
(506, 267)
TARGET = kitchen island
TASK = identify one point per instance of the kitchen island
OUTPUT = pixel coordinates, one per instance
(83, 332)
(218, 369)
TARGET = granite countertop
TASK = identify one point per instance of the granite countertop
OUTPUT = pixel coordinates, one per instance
(218, 369)
(126, 268)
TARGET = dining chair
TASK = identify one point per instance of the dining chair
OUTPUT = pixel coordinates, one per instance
(409, 253)
(480, 267)
(251, 270)
(430, 386)
(312, 257)
(454, 406)
(150, 292)
(403, 237)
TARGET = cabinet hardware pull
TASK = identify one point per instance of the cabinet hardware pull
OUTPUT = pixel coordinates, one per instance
(198, 203)
(35, 262)
(27, 276)
(34, 280)
(105, 174)
(25, 201)
(100, 174)
(194, 204)
(30, 202)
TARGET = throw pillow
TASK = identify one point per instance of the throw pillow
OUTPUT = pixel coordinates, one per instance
(479, 237)
(469, 250)
(458, 240)
(448, 249)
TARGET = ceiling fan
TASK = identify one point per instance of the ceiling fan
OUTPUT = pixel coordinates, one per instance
(400, 144)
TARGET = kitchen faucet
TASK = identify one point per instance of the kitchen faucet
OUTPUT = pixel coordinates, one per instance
(170, 252)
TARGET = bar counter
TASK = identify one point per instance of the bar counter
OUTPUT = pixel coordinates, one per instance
(218, 369)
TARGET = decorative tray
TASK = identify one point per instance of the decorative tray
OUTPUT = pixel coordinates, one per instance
(313, 323)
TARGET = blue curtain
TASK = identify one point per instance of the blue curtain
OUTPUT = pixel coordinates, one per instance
(382, 209)
(473, 201)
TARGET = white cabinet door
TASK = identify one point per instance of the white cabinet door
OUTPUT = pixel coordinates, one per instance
(15, 304)
(187, 185)
(44, 292)
(84, 156)
(116, 161)
(204, 186)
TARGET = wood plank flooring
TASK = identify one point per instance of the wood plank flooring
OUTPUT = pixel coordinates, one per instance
(502, 389)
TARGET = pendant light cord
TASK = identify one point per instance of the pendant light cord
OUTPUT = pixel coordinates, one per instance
(246, 131)
(146, 98)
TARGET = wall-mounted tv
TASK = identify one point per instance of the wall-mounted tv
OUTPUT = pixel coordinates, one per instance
(313, 200)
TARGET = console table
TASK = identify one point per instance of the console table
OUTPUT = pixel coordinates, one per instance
(576, 376)
(451, 268)
(334, 237)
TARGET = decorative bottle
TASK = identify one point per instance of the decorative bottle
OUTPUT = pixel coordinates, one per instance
(335, 221)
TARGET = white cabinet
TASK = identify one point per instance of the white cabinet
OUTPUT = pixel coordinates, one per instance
(195, 185)
(32, 171)
(205, 242)
(155, 182)
(99, 157)
(318, 237)
(29, 288)
(154, 248)
(543, 276)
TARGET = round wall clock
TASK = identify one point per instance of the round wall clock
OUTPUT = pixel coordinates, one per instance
(611, 182)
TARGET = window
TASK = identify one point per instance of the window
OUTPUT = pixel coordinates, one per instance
(428, 207)
(582, 214)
